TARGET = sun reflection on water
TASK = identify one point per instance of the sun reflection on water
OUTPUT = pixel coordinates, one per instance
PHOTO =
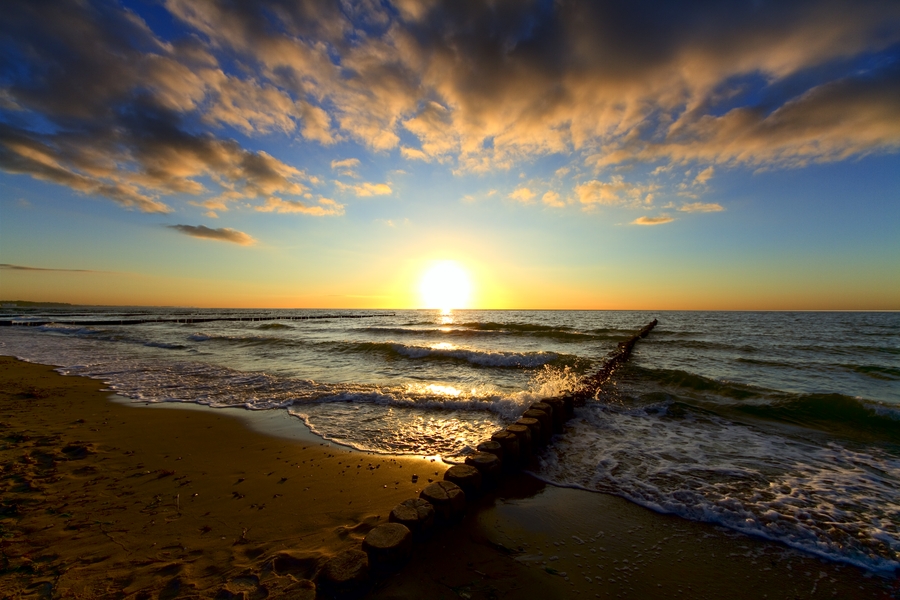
(443, 346)
(443, 390)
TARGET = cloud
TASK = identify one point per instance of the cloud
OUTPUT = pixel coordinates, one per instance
(704, 176)
(701, 207)
(414, 154)
(326, 207)
(615, 192)
(107, 108)
(10, 267)
(553, 199)
(223, 235)
(652, 220)
(94, 99)
(347, 163)
(365, 189)
(523, 195)
(346, 167)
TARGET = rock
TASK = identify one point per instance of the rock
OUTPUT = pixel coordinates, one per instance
(559, 413)
(447, 498)
(534, 426)
(523, 435)
(488, 465)
(545, 420)
(465, 476)
(345, 575)
(416, 514)
(388, 546)
(491, 447)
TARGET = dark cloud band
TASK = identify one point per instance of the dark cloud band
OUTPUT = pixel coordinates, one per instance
(223, 234)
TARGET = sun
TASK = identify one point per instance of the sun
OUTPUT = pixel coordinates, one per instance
(445, 285)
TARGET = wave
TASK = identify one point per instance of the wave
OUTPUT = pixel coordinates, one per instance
(524, 327)
(697, 383)
(832, 500)
(834, 413)
(702, 345)
(254, 340)
(837, 414)
(481, 358)
(67, 329)
(165, 345)
(270, 326)
(462, 331)
(875, 371)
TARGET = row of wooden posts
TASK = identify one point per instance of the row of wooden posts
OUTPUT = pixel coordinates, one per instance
(388, 546)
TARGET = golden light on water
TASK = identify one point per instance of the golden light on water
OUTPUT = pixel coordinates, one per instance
(443, 390)
(445, 285)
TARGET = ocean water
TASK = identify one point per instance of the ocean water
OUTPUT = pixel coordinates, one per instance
(781, 425)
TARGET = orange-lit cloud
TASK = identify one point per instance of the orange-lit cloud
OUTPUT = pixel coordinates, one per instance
(701, 207)
(553, 199)
(652, 220)
(522, 194)
(365, 189)
(346, 167)
(326, 207)
(614, 192)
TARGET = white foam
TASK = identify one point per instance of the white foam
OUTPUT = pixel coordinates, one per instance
(831, 500)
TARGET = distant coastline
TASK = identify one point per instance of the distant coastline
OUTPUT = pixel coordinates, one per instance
(29, 303)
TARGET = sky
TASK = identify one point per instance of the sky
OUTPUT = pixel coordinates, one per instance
(559, 154)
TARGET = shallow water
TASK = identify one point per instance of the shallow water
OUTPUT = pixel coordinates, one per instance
(785, 425)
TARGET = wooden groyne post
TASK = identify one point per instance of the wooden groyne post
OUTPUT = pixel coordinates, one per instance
(389, 545)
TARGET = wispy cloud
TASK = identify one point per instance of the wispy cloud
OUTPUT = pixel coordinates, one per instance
(346, 167)
(326, 207)
(365, 189)
(704, 176)
(701, 207)
(223, 235)
(653, 220)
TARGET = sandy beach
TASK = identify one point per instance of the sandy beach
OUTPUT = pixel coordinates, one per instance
(105, 498)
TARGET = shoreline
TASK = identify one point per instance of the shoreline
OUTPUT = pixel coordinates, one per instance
(101, 498)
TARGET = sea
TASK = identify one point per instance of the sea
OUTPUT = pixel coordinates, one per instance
(784, 425)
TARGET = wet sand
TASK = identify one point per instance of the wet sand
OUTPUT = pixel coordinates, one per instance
(102, 498)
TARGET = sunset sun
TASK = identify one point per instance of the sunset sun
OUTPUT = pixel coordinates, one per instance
(445, 285)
